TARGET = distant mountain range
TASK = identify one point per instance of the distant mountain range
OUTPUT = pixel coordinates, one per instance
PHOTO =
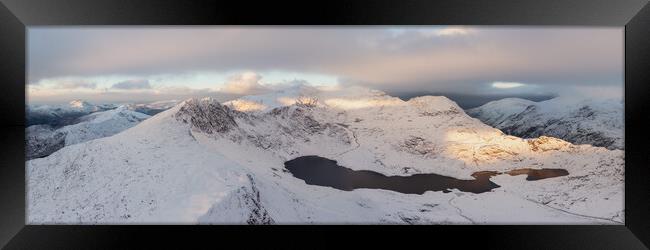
(43, 140)
(207, 162)
(50, 128)
(153, 107)
(599, 123)
(68, 114)
(61, 115)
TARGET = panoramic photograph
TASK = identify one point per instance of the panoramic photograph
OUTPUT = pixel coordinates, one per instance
(324, 125)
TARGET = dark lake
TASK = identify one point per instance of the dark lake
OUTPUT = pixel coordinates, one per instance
(538, 174)
(316, 170)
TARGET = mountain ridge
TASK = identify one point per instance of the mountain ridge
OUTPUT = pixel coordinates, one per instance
(598, 123)
(205, 162)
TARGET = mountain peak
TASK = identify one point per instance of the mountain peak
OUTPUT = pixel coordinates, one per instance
(79, 104)
(206, 115)
(435, 105)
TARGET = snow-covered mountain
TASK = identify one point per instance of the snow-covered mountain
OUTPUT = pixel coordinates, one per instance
(280, 98)
(61, 115)
(599, 123)
(153, 107)
(42, 140)
(204, 162)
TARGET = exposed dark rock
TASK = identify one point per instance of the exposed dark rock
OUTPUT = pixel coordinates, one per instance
(418, 145)
(246, 201)
(450, 111)
(258, 214)
(291, 124)
(207, 115)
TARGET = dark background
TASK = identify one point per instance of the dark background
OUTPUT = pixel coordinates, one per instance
(16, 14)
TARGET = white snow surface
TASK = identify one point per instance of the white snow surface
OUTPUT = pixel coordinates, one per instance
(203, 162)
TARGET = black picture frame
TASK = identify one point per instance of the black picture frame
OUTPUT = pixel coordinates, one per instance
(17, 15)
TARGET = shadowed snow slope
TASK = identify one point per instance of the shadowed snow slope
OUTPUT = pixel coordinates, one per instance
(598, 123)
(42, 140)
(153, 107)
(204, 162)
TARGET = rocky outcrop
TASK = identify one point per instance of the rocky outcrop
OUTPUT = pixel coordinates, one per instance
(243, 205)
(418, 146)
(206, 115)
(545, 143)
(284, 126)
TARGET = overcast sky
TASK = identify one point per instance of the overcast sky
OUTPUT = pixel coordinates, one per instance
(122, 64)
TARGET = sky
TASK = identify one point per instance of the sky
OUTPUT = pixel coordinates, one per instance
(104, 64)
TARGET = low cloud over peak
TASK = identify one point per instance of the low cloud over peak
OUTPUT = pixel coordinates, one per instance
(247, 83)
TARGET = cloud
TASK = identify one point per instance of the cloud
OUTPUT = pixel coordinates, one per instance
(75, 85)
(421, 58)
(247, 83)
(454, 31)
(132, 84)
(448, 32)
(507, 85)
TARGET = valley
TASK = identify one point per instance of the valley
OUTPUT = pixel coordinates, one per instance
(206, 162)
